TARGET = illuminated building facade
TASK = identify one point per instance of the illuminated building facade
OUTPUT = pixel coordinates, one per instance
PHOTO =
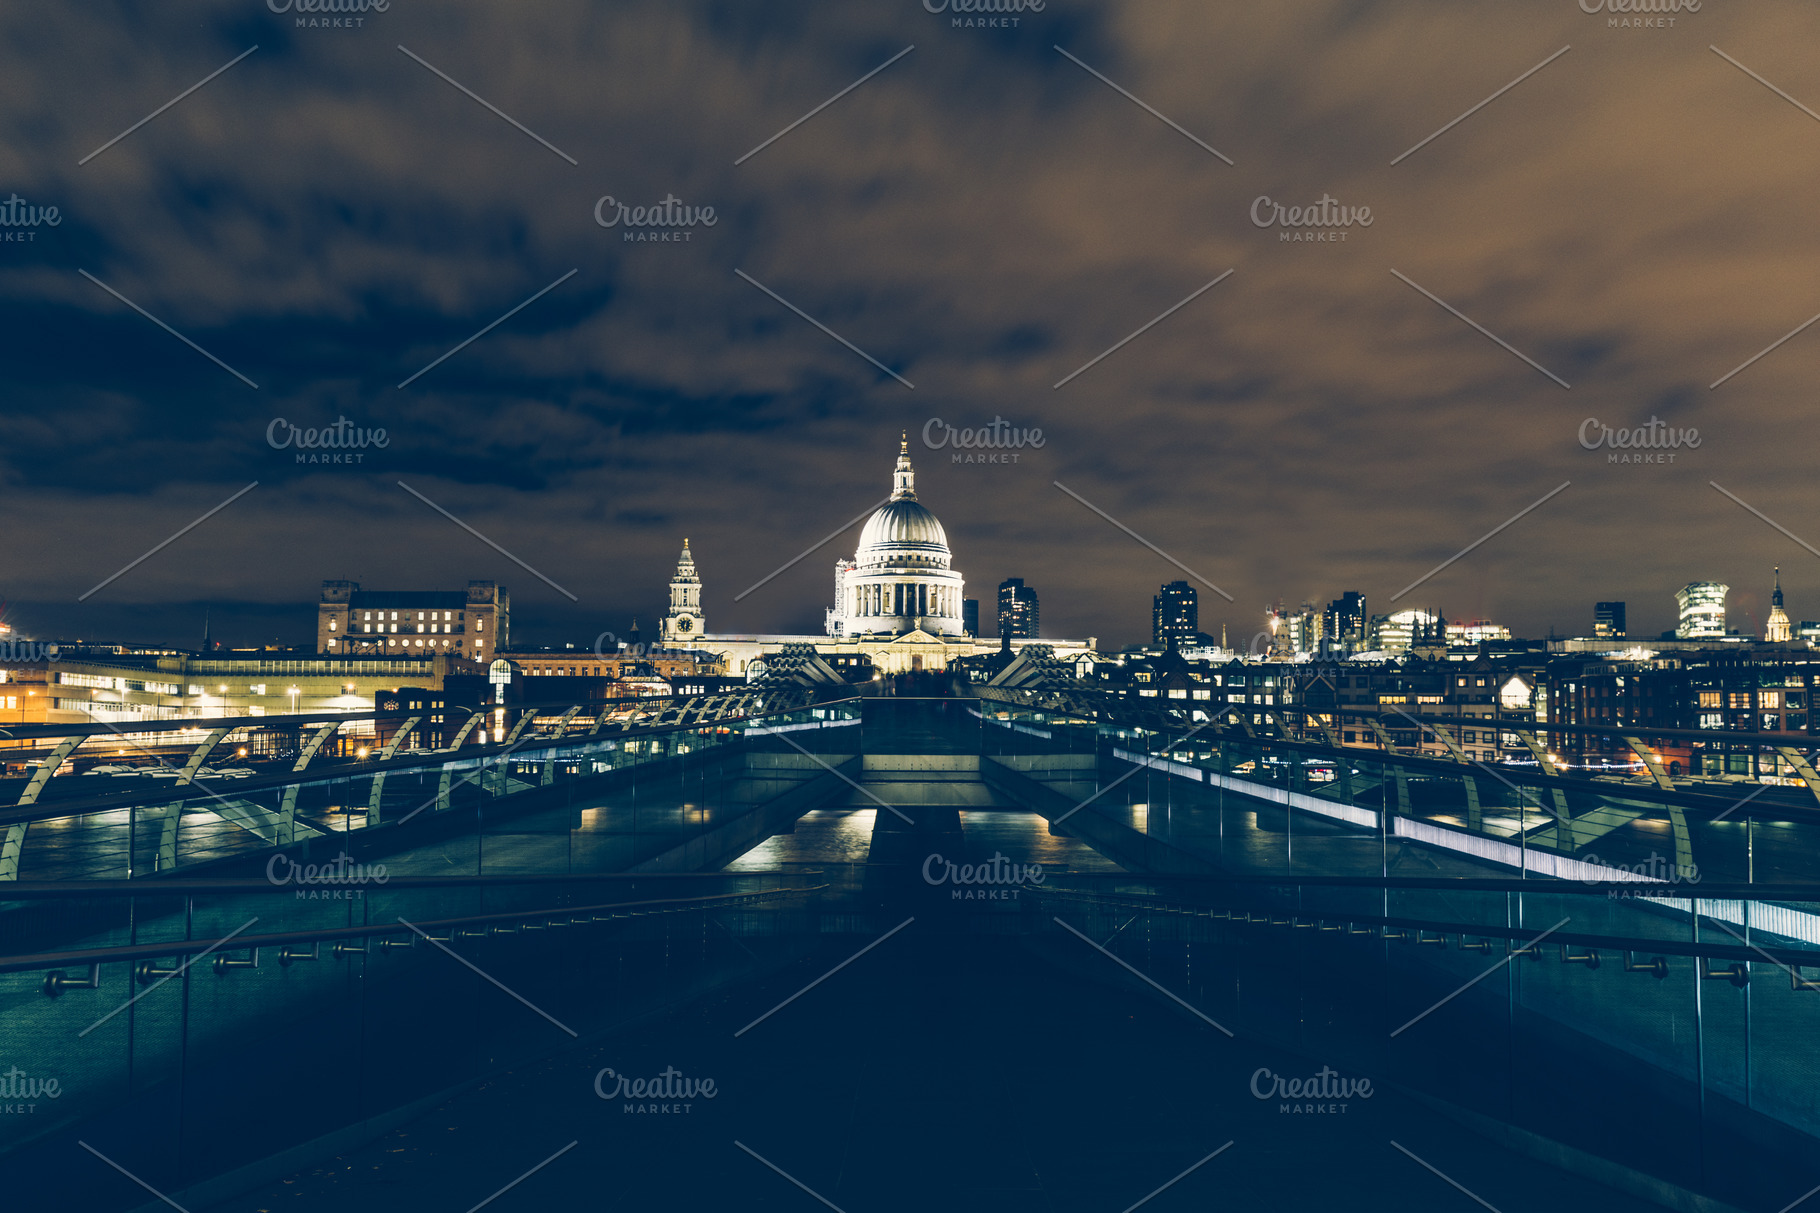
(473, 624)
(1700, 609)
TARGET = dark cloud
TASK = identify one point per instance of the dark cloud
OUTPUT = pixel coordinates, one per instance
(983, 217)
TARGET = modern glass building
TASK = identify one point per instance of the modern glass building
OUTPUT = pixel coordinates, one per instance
(1700, 609)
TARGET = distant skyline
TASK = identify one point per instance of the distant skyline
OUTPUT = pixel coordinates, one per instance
(985, 220)
(251, 623)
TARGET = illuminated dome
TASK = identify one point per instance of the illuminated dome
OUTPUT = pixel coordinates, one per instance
(900, 579)
(902, 529)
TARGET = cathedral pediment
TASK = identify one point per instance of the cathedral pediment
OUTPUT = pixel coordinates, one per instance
(917, 637)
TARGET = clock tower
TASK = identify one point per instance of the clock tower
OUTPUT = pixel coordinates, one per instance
(683, 622)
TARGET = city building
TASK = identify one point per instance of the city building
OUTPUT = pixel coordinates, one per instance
(1344, 620)
(1700, 607)
(83, 685)
(899, 604)
(1729, 689)
(1175, 615)
(437, 726)
(1018, 612)
(970, 616)
(1302, 630)
(1608, 620)
(1778, 628)
(678, 665)
(473, 624)
(1479, 630)
(1479, 702)
(1403, 630)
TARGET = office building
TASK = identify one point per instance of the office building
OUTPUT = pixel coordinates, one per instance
(1344, 619)
(1700, 607)
(1017, 609)
(1608, 620)
(1175, 615)
(1403, 630)
(1467, 634)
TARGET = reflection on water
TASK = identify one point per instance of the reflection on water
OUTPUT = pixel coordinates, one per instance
(822, 836)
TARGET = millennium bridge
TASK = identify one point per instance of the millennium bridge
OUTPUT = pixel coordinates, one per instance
(1031, 947)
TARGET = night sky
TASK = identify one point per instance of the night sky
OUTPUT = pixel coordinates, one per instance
(983, 216)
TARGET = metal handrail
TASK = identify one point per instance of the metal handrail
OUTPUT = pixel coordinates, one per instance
(43, 810)
(1549, 886)
(35, 890)
(1450, 768)
(1794, 958)
(188, 947)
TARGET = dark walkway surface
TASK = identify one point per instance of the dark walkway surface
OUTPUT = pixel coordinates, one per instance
(942, 1069)
(937, 1072)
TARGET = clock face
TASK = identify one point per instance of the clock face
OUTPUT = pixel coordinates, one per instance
(685, 624)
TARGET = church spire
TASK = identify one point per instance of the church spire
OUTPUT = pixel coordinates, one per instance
(903, 479)
(684, 621)
(1778, 626)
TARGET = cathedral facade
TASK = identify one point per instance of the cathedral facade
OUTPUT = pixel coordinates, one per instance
(902, 578)
(898, 601)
